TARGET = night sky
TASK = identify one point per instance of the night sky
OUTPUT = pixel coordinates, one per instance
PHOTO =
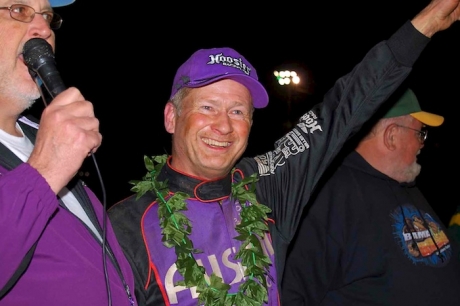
(123, 59)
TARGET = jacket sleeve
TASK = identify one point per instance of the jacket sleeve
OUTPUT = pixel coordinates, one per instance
(289, 173)
(26, 205)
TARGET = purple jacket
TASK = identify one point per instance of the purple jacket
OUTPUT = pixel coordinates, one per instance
(67, 265)
(213, 215)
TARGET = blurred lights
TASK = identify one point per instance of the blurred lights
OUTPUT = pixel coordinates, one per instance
(286, 77)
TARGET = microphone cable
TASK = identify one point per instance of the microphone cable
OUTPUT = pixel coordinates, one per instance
(104, 230)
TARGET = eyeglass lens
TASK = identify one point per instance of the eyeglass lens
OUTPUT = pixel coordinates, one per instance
(25, 13)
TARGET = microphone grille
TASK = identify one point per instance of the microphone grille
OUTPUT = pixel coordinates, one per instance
(37, 51)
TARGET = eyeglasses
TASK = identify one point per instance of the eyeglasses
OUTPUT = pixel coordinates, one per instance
(421, 134)
(25, 13)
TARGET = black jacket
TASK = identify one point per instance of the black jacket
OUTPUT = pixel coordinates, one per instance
(369, 240)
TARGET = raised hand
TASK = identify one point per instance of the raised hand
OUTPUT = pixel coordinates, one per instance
(438, 15)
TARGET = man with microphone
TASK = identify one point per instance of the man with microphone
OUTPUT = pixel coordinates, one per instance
(55, 246)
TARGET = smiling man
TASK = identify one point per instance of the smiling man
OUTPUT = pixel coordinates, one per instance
(206, 227)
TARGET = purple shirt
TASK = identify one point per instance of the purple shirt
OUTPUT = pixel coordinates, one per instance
(213, 233)
(67, 266)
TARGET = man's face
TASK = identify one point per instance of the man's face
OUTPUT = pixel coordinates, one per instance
(211, 129)
(17, 88)
(410, 147)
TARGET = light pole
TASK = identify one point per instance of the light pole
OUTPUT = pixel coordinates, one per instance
(288, 78)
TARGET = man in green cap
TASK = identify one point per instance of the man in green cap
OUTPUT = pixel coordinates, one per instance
(369, 236)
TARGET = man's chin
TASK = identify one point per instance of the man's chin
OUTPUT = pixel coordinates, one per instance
(413, 172)
(216, 169)
(31, 103)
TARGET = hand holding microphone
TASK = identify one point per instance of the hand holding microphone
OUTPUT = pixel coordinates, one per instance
(69, 130)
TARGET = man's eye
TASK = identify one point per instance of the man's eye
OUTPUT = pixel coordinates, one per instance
(48, 16)
(19, 10)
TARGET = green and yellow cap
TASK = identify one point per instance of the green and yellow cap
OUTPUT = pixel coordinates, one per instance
(408, 105)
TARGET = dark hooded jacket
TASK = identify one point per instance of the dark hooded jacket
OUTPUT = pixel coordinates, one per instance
(369, 240)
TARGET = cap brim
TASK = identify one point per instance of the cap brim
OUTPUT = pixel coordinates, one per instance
(428, 118)
(58, 3)
(258, 93)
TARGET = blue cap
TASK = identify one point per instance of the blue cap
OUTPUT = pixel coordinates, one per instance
(57, 3)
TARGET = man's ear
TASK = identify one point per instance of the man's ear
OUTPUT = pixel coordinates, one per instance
(390, 137)
(170, 117)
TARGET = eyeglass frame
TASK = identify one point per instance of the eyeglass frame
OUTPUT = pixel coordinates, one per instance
(54, 16)
(422, 134)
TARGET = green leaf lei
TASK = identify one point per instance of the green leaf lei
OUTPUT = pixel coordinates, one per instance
(176, 229)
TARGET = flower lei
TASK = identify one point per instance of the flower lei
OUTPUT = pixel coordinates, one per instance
(176, 229)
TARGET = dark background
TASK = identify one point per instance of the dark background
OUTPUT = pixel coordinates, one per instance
(123, 59)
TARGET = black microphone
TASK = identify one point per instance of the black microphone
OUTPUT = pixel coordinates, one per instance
(39, 57)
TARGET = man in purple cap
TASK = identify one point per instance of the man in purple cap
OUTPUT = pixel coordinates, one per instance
(206, 227)
(52, 225)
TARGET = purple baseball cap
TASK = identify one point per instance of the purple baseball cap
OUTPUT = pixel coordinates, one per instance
(207, 66)
(57, 3)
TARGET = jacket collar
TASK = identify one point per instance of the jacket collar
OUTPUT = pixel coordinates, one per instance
(203, 190)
